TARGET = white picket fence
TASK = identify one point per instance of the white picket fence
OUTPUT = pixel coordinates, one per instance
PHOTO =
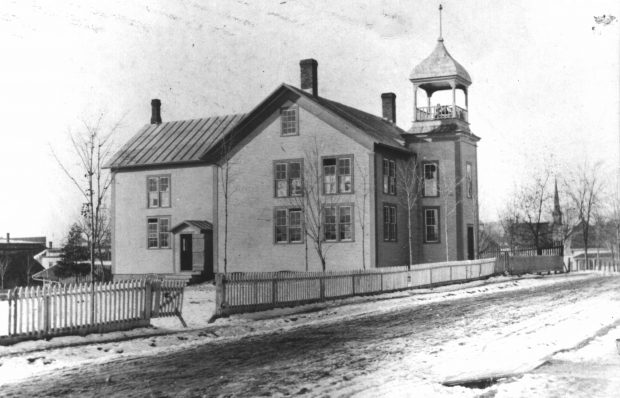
(47, 311)
(597, 264)
(256, 291)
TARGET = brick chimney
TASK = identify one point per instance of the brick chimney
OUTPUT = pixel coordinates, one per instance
(309, 77)
(388, 105)
(155, 111)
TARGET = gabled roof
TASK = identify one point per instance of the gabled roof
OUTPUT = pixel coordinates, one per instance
(195, 141)
(201, 225)
(382, 131)
(439, 64)
(378, 130)
(177, 142)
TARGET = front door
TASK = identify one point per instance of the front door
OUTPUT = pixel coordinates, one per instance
(470, 242)
(186, 252)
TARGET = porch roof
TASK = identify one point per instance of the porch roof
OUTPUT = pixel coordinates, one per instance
(202, 225)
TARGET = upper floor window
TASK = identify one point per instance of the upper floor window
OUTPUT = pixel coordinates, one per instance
(337, 175)
(158, 232)
(389, 177)
(431, 225)
(158, 188)
(290, 124)
(288, 178)
(389, 223)
(288, 225)
(469, 180)
(431, 179)
(338, 223)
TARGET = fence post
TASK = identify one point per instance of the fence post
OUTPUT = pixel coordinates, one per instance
(382, 280)
(219, 293)
(322, 287)
(430, 276)
(353, 283)
(46, 314)
(274, 291)
(148, 300)
(451, 273)
(157, 286)
(15, 300)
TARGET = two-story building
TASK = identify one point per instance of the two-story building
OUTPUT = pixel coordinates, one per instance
(300, 183)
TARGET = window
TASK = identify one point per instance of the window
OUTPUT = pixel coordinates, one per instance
(469, 180)
(289, 121)
(158, 233)
(288, 226)
(338, 223)
(158, 188)
(431, 180)
(337, 175)
(431, 225)
(389, 177)
(287, 177)
(389, 223)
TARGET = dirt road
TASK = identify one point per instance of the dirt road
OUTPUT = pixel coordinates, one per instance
(352, 357)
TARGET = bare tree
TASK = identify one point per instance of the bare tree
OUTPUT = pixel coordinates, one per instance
(30, 265)
(586, 191)
(509, 220)
(5, 261)
(314, 204)
(448, 192)
(226, 179)
(532, 205)
(361, 198)
(409, 185)
(92, 147)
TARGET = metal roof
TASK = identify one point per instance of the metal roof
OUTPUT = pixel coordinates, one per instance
(439, 64)
(182, 141)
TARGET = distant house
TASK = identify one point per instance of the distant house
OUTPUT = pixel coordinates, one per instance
(49, 257)
(172, 216)
(21, 264)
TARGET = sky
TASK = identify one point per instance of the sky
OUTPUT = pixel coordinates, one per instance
(545, 89)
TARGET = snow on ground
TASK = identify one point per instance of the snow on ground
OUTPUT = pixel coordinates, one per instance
(198, 307)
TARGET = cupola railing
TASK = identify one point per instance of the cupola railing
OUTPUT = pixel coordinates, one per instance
(439, 112)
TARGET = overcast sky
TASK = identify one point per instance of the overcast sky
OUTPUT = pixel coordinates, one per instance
(545, 84)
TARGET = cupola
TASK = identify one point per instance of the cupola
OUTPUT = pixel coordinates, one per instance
(439, 71)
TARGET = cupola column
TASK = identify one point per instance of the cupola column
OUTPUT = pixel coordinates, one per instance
(466, 91)
(453, 84)
(415, 102)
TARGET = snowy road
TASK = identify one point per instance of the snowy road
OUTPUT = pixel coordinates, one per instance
(407, 351)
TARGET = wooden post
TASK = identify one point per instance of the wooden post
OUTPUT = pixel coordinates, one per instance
(381, 281)
(46, 306)
(415, 102)
(353, 284)
(148, 300)
(274, 291)
(430, 270)
(157, 286)
(322, 288)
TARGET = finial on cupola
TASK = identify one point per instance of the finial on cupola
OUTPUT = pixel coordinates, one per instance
(440, 34)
